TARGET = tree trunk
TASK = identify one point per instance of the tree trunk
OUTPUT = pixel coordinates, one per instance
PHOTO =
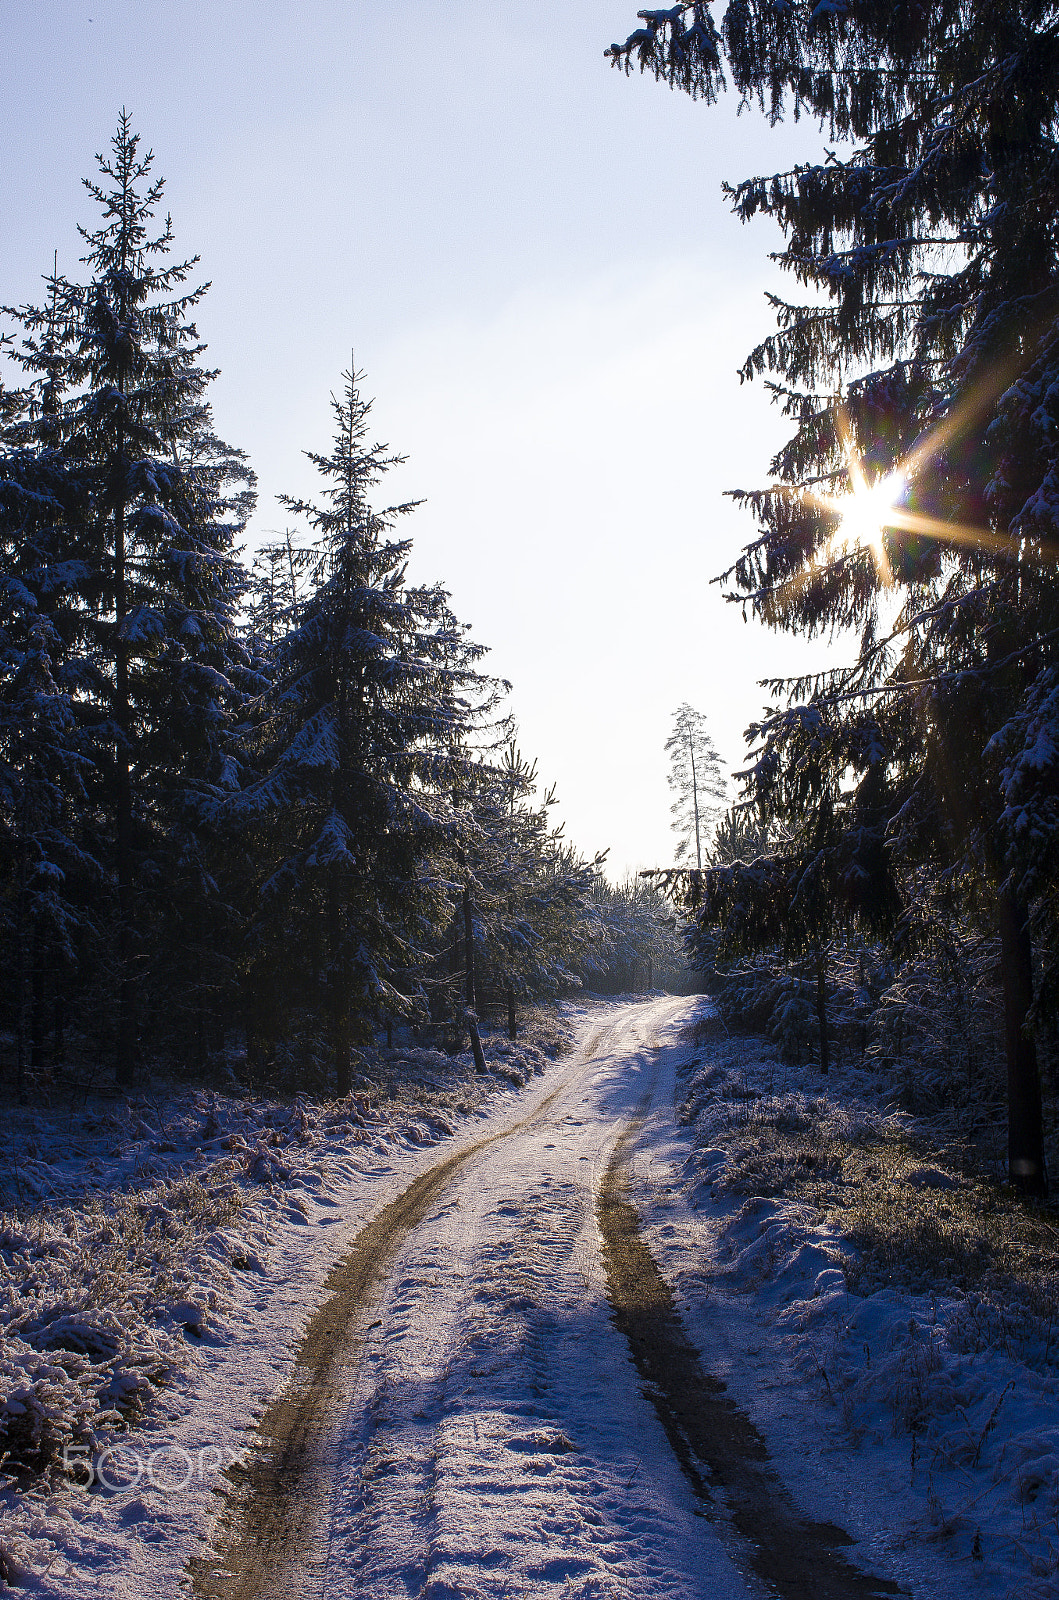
(202, 1041)
(695, 802)
(470, 1014)
(22, 983)
(821, 1011)
(468, 939)
(60, 1029)
(512, 1025)
(252, 1058)
(476, 1042)
(1026, 1166)
(338, 987)
(453, 990)
(343, 1054)
(38, 1027)
(125, 1054)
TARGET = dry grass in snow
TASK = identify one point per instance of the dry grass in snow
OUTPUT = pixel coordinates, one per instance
(917, 1297)
(123, 1221)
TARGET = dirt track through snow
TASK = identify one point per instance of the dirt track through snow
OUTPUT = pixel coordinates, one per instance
(466, 1420)
(715, 1442)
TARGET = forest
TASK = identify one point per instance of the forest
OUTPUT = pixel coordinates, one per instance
(393, 1202)
(887, 882)
(273, 808)
(280, 806)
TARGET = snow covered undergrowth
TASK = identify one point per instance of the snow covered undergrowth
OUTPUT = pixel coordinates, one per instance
(158, 1255)
(888, 1319)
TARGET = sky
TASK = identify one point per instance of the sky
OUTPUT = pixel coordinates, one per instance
(530, 258)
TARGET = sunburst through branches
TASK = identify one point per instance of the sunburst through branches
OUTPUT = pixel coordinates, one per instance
(868, 511)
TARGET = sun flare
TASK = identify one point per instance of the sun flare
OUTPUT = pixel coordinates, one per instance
(868, 511)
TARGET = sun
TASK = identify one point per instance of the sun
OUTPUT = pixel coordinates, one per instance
(868, 511)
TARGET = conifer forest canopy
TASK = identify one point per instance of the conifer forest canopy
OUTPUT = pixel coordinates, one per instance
(283, 804)
(906, 801)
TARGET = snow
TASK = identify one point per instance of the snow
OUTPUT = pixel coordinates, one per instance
(913, 1416)
(197, 1323)
(494, 1438)
(499, 1440)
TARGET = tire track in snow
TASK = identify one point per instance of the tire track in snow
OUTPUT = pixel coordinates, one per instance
(716, 1443)
(550, 1474)
(492, 1438)
(276, 1511)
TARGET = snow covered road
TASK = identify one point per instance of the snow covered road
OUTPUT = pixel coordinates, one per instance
(472, 1422)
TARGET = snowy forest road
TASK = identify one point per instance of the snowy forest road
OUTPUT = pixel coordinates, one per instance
(467, 1421)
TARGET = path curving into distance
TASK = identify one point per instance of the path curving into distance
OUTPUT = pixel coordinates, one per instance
(497, 1397)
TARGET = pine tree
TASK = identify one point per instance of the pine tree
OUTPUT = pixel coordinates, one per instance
(361, 734)
(143, 575)
(930, 246)
(696, 778)
(531, 896)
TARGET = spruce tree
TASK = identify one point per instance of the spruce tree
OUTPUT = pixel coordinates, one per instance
(45, 778)
(922, 365)
(146, 507)
(531, 896)
(361, 748)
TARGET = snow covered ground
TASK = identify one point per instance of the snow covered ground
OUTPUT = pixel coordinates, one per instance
(902, 1400)
(499, 1442)
(158, 1259)
(494, 1438)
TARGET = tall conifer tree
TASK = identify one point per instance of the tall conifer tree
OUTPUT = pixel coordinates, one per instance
(931, 244)
(531, 895)
(145, 508)
(363, 740)
(696, 780)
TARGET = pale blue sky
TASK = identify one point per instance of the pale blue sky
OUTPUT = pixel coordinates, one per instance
(532, 260)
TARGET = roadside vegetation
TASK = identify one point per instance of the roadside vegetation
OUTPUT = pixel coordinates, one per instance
(909, 1293)
(124, 1223)
(254, 815)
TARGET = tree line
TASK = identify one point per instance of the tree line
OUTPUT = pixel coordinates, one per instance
(899, 812)
(281, 804)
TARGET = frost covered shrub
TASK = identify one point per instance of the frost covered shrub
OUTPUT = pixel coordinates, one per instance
(776, 1160)
(775, 996)
(46, 1403)
(124, 1222)
(929, 1026)
(792, 1025)
(905, 1236)
(93, 1301)
(544, 1029)
(938, 1028)
(913, 1295)
(903, 1193)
